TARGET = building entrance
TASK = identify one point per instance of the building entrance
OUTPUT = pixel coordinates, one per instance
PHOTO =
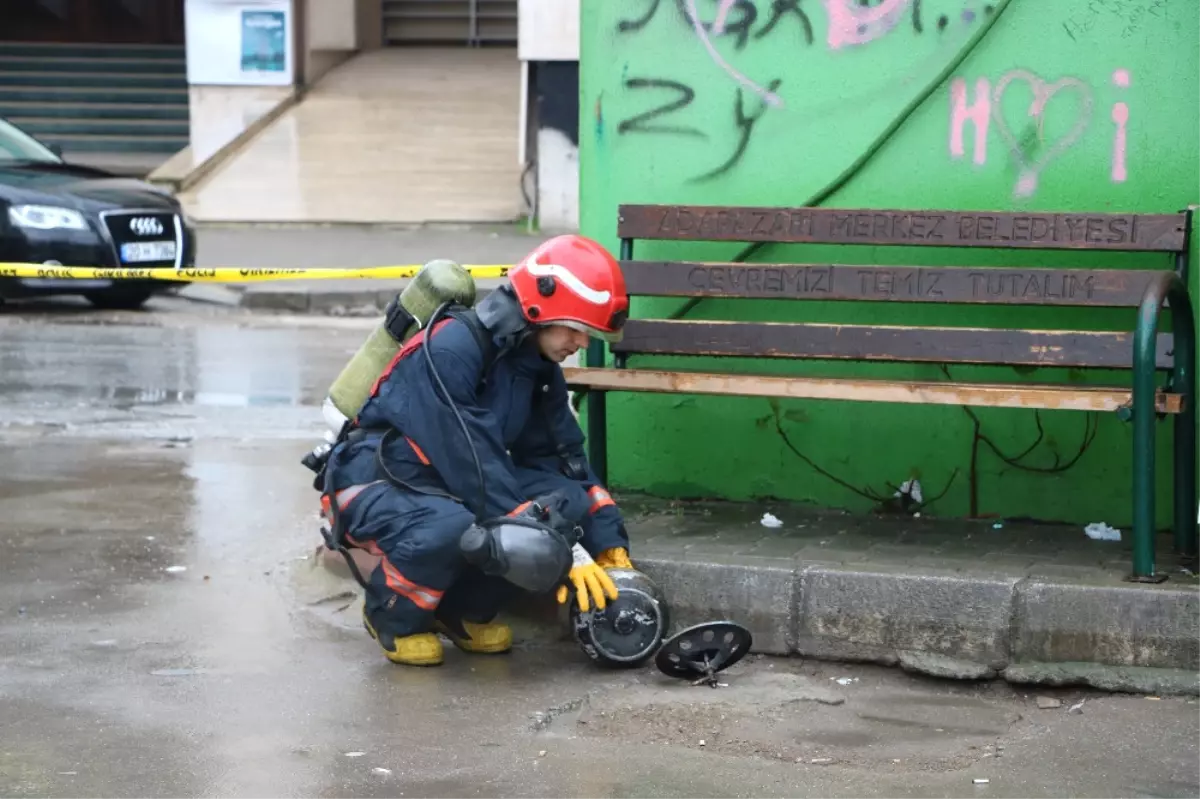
(461, 22)
(94, 21)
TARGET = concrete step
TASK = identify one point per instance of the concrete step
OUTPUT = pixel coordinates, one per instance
(496, 21)
(133, 165)
(127, 104)
(426, 21)
(166, 52)
(50, 126)
(65, 63)
(430, 21)
(110, 80)
(29, 92)
(82, 142)
(427, 9)
(12, 109)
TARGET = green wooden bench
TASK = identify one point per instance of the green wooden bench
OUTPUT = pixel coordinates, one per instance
(1144, 351)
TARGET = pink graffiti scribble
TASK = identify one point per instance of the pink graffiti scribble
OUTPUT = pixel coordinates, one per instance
(1120, 115)
(767, 96)
(718, 26)
(979, 113)
(1027, 179)
(851, 23)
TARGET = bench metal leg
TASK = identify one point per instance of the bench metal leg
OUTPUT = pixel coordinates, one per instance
(1183, 380)
(597, 401)
(1143, 472)
(1187, 504)
(597, 421)
(1145, 337)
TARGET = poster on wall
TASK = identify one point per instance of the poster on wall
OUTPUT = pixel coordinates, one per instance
(239, 42)
(264, 45)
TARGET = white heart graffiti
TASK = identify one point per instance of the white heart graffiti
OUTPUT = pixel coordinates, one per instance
(1027, 178)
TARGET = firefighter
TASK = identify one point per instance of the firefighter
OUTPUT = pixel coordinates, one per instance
(479, 427)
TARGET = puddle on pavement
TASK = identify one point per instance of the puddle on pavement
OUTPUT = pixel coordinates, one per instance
(82, 529)
(86, 520)
(125, 367)
(128, 397)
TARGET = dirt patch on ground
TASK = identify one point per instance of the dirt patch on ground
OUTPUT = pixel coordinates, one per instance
(774, 710)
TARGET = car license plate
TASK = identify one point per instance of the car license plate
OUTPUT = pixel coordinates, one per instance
(141, 251)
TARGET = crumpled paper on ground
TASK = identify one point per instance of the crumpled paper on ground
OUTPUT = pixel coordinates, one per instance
(1099, 531)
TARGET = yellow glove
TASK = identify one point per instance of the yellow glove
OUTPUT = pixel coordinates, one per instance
(589, 578)
(615, 558)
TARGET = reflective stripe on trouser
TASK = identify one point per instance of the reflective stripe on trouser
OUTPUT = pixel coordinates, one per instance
(422, 572)
(345, 497)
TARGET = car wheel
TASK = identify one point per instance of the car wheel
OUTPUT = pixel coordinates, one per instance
(119, 299)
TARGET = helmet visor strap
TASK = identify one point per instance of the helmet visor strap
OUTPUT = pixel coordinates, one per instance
(605, 335)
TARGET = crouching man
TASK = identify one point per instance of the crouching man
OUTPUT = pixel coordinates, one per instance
(470, 423)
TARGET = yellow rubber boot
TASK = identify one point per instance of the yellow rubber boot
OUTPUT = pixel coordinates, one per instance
(486, 639)
(422, 649)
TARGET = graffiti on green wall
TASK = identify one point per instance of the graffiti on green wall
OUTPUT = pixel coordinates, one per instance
(765, 58)
(736, 29)
(1028, 147)
(1069, 106)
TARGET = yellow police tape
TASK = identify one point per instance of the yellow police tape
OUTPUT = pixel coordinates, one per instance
(231, 274)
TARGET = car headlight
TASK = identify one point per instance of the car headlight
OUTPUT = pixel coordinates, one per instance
(46, 217)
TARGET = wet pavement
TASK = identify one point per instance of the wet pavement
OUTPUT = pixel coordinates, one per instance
(156, 525)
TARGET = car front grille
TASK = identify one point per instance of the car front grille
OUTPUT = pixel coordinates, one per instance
(145, 238)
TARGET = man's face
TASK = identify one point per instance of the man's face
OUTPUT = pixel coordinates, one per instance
(559, 342)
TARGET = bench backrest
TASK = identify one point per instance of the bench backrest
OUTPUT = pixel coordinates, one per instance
(1129, 232)
(1165, 233)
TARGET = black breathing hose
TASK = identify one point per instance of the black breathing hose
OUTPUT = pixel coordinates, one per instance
(437, 379)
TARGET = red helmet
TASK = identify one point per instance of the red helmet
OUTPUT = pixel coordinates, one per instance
(571, 280)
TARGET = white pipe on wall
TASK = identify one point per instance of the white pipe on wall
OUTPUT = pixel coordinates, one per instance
(523, 117)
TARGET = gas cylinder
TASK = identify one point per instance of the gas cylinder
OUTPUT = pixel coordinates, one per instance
(437, 282)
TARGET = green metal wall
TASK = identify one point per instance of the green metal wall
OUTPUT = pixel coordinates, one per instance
(1030, 105)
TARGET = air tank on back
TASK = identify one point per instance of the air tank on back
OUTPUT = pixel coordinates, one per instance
(437, 282)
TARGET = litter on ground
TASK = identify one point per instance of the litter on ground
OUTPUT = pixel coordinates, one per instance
(1099, 531)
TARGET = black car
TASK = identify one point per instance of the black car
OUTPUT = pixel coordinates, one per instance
(61, 214)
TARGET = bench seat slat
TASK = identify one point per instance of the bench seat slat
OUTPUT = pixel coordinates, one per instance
(994, 395)
(878, 226)
(1115, 288)
(1063, 348)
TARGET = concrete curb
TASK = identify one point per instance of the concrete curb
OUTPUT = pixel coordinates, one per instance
(319, 303)
(1127, 637)
(365, 301)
